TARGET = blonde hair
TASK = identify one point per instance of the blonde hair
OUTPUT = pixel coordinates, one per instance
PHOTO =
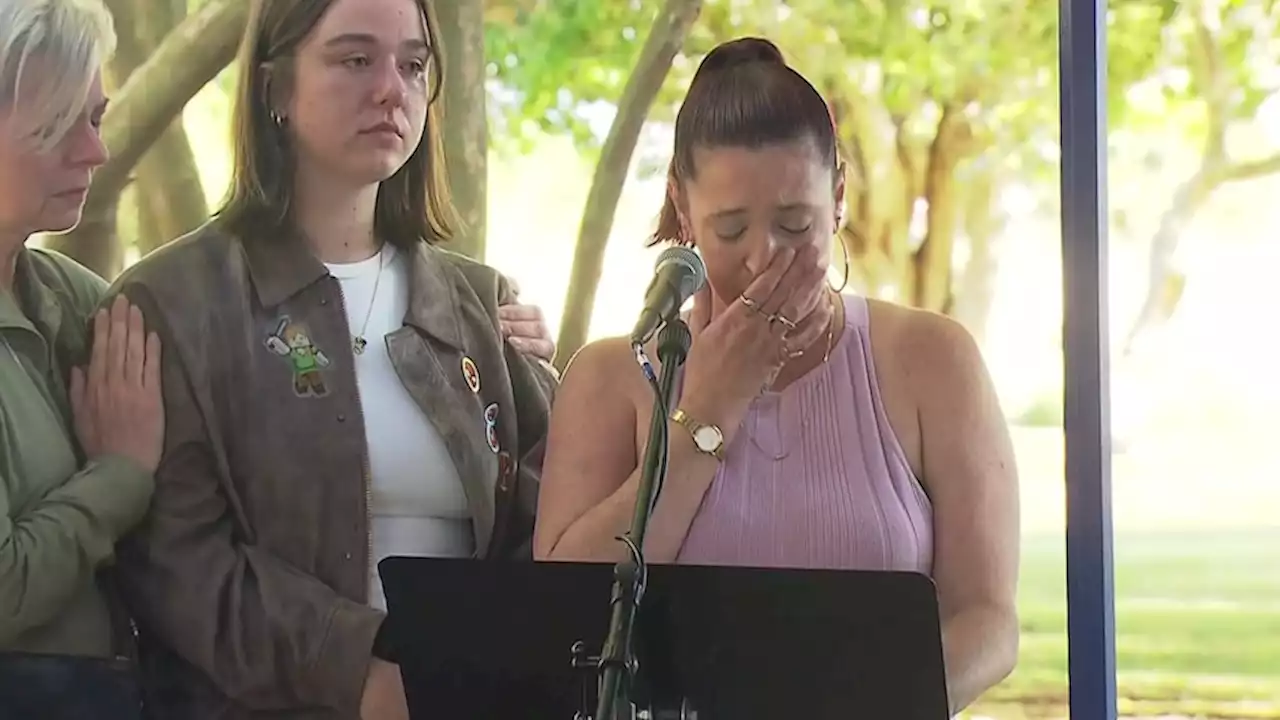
(50, 52)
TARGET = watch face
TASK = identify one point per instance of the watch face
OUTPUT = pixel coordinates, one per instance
(707, 438)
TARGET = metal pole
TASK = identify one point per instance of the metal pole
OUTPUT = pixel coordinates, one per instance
(1090, 595)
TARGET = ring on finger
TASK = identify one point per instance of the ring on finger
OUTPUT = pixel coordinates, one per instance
(752, 305)
(787, 322)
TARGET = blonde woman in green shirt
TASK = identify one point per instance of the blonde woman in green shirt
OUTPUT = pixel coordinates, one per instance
(78, 446)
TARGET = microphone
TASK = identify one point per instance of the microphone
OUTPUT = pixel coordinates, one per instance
(678, 274)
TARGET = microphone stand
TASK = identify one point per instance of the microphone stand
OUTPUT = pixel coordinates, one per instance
(617, 659)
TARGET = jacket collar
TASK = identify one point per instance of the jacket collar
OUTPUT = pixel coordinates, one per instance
(433, 296)
(281, 267)
(35, 299)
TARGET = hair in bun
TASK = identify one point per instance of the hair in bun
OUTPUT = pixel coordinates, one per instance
(743, 51)
(744, 95)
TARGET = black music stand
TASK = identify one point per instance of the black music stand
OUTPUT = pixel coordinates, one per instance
(492, 640)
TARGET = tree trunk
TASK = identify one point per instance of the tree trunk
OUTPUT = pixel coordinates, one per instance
(984, 224)
(891, 171)
(167, 190)
(169, 182)
(1165, 282)
(1161, 272)
(666, 37)
(188, 59)
(466, 125)
(931, 267)
(1215, 86)
(168, 176)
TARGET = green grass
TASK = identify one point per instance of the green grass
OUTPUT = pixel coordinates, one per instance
(1197, 572)
(1197, 627)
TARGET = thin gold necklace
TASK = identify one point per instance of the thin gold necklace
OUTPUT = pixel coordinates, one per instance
(359, 343)
(831, 334)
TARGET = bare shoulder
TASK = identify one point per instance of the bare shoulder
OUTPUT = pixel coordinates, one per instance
(606, 366)
(928, 346)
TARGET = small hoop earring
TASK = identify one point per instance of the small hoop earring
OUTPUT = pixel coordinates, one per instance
(844, 247)
(277, 118)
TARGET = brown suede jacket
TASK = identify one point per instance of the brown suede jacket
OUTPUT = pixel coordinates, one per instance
(248, 580)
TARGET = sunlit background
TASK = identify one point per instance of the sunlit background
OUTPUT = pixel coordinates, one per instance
(1195, 148)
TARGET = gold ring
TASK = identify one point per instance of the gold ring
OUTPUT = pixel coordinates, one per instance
(752, 305)
(786, 322)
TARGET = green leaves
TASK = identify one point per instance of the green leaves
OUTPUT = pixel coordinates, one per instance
(558, 56)
(555, 64)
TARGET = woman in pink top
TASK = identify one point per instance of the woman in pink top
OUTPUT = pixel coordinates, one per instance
(813, 430)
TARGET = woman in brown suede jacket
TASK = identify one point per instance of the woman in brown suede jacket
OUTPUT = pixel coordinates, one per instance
(337, 388)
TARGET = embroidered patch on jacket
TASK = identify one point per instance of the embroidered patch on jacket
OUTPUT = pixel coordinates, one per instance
(491, 426)
(292, 341)
(506, 469)
(471, 374)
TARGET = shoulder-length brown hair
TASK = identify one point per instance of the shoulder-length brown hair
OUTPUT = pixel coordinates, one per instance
(414, 205)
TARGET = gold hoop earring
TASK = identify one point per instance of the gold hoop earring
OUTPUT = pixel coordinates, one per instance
(844, 248)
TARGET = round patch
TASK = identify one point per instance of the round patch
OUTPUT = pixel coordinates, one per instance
(471, 374)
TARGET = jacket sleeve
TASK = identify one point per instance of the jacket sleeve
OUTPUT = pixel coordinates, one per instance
(266, 634)
(50, 550)
(533, 383)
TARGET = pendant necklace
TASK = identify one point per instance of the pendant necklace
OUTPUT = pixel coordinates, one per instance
(359, 343)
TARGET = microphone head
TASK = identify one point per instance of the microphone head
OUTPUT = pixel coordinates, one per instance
(694, 278)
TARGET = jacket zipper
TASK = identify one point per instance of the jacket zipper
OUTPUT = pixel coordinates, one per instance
(366, 477)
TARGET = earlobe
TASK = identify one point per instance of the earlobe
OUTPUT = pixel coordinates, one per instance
(272, 98)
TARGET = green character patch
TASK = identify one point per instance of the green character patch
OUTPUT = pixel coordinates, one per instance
(292, 342)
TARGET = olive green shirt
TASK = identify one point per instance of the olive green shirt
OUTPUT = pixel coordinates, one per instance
(59, 517)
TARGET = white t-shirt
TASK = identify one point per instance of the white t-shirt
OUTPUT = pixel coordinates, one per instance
(419, 506)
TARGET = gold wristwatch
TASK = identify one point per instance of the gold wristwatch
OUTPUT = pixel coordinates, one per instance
(707, 438)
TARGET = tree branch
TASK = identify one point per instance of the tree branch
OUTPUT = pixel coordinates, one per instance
(1207, 69)
(465, 122)
(150, 100)
(666, 38)
(188, 59)
(169, 193)
(1251, 169)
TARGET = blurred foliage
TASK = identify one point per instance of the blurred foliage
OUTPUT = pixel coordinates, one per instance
(553, 61)
(998, 58)
(536, 46)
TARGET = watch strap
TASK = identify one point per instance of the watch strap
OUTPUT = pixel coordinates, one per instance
(692, 426)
